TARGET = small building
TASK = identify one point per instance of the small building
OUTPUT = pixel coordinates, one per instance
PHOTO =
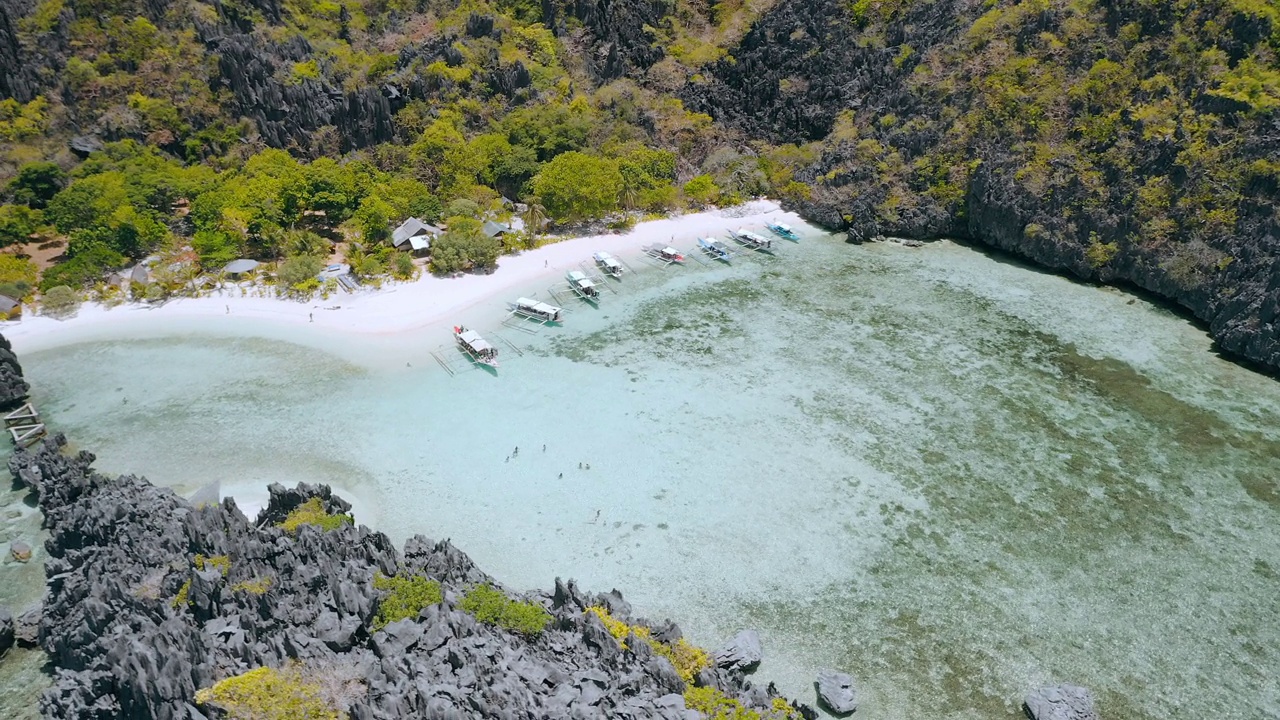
(9, 307)
(414, 235)
(240, 267)
(494, 229)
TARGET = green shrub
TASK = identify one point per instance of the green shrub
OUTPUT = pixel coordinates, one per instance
(269, 694)
(221, 562)
(715, 705)
(406, 597)
(686, 658)
(491, 605)
(182, 599)
(60, 302)
(312, 512)
(257, 586)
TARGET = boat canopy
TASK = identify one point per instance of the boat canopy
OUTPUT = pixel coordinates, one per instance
(579, 278)
(538, 307)
(752, 236)
(474, 341)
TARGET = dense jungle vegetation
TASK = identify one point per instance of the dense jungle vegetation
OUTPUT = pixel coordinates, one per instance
(1135, 141)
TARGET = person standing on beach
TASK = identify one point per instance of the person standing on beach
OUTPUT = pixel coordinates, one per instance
(228, 309)
(312, 317)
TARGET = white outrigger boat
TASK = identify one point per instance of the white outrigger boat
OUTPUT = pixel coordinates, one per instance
(664, 253)
(537, 310)
(608, 264)
(751, 240)
(477, 347)
(582, 285)
(783, 230)
(714, 249)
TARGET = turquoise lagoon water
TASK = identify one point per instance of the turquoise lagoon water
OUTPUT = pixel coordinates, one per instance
(952, 476)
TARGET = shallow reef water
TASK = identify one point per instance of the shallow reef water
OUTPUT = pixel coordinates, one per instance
(955, 477)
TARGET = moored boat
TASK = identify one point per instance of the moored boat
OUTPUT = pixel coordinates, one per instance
(582, 285)
(714, 248)
(783, 230)
(665, 253)
(608, 264)
(477, 347)
(752, 240)
(537, 310)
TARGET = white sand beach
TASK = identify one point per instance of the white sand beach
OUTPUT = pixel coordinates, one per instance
(396, 307)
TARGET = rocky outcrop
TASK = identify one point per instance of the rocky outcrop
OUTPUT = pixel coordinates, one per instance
(6, 630)
(1062, 702)
(836, 692)
(13, 387)
(922, 153)
(135, 623)
(743, 652)
(617, 41)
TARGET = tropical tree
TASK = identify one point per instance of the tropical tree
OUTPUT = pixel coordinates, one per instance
(575, 186)
(36, 183)
(534, 217)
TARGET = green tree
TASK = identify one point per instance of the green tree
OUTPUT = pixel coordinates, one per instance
(297, 272)
(702, 190)
(83, 269)
(373, 219)
(36, 183)
(17, 224)
(464, 247)
(216, 248)
(88, 201)
(575, 186)
(17, 276)
(534, 216)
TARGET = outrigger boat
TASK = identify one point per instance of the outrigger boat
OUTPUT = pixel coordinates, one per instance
(477, 347)
(665, 253)
(537, 310)
(752, 240)
(608, 264)
(714, 248)
(783, 231)
(582, 285)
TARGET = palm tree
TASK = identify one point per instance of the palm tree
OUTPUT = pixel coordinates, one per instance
(534, 217)
(630, 196)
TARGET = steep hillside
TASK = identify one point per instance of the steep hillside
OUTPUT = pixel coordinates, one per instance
(1134, 142)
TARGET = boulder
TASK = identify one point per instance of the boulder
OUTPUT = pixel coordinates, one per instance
(743, 652)
(20, 551)
(1062, 702)
(836, 692)
(26, 628)
(6, 630)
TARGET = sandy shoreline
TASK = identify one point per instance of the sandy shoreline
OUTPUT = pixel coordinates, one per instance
(397, 307)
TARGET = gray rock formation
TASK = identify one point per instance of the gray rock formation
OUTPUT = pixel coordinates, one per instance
(743, 652)
(1062, 702)
(121, 558)
(6, 630)
(836, 692)
(26, 627)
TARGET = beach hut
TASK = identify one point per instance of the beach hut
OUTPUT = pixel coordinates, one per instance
(240, 267)
(9, 307)
(494, 229)
(415, 235)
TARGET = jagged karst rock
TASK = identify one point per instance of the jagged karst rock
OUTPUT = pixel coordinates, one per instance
(1062, 702)
(26, 627)
(135, 628)
(85, 145)
(743, 652)
(6, 630)
(836, 692)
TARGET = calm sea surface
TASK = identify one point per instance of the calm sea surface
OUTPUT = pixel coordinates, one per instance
(952, 476)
